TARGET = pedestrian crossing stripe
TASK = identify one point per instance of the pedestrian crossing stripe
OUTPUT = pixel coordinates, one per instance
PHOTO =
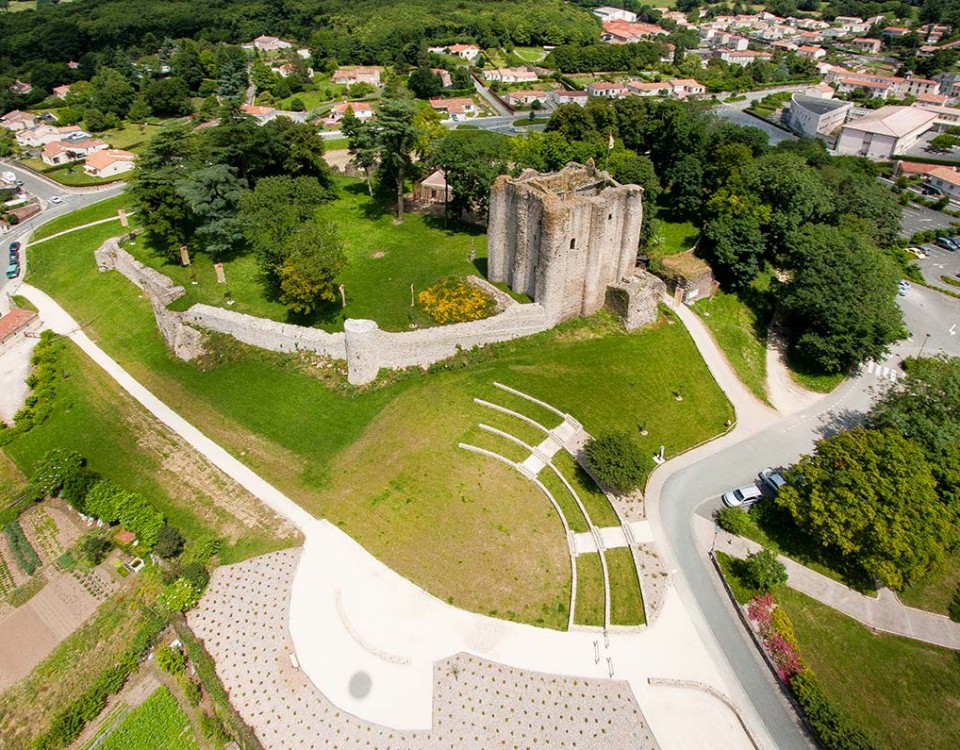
(884, 373)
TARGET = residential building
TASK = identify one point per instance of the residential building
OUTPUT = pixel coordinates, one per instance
(916, 86)
(445, 80)
(432, 188)
(621, 32)
(851, 24)
(19, 87)
(813, 116)
(604, 90)
(288, 69)
(109, 162)
(949, 84)
(742, 57)
(885, 133)
(561, 96)
(895, 32)
(16, 120)
(525, 98)
(946, 180)
(64, 152)
(270, 44)
(947, 117)
(361, 110)
(607, 13)
(456, 107)
(814, 53)
(873, 89)
(40, 135)
(511, 75)
(468, 52)
(687, 87)
(638, 88)
(865, 45)
(262, 115)
(352, 74)
(61, 91)
(820, 91)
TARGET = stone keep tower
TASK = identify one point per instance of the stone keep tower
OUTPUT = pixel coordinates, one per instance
(563, 237)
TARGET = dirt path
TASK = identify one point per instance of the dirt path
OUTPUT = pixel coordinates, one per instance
(787, 396)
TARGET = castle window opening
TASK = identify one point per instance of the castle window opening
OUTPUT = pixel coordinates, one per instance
(573, 243)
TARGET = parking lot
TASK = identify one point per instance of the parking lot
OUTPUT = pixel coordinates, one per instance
(920, 219)
(940, 262)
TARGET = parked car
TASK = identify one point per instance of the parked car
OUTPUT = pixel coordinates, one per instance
(742, 496)
(14, 251)
(917, 251)
(903, 287)
(947, 243)
(772, 479)
(13, 270)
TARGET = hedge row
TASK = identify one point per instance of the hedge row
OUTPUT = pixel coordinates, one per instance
(26, 555)
(43, 386)
(833, 730)
(70, 720)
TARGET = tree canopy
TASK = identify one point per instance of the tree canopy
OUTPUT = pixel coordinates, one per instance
(871, 496)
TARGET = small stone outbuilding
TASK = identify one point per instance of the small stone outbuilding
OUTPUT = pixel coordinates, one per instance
(691, 274)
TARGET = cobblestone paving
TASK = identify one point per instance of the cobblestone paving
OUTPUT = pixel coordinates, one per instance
(242, 620)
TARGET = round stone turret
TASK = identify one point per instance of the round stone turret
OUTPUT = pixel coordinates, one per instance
(363, 350)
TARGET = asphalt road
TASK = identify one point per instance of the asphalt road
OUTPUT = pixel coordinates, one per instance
(920, 218)
(44, 190)
(696, 490)
(939, 262)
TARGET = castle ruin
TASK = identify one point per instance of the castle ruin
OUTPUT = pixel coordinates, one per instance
(562, 238)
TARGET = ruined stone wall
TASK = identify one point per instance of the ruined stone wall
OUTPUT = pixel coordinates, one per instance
(185, 342)
(563, 237)
(266, 334)
(111, 257)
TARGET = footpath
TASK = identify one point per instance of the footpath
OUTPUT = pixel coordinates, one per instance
(885, 612)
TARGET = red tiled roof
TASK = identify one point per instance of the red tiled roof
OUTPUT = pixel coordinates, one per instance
(14, 321)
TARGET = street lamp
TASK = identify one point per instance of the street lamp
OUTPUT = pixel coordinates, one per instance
(925, 340)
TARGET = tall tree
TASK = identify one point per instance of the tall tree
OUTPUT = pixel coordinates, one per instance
(471, 161)
(213, 195)
(111, 92)
(314, 258)
(870, 495)
(362, 145)
(397, 138)
(840, 301)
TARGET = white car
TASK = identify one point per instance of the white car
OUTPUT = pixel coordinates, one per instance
(56, 200)
(903, 287)
(742, 496)
(772, 479)
(918, 251)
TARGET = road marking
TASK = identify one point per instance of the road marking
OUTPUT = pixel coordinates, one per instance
(953, 330)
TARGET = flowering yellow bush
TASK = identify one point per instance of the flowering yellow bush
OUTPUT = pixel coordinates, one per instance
(453, 300)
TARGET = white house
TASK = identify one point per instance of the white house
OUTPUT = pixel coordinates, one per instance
(352, 74)
(455, 108)
(604, 90)
(270, 44)
(518, 98)
(606, 13)
(511, 75)
(885, 133)
(361, 110)
(946, 180)
(16, 120)
(561, 96)
(63, 152)
(262, 115)
(109, 162)
(468, 52)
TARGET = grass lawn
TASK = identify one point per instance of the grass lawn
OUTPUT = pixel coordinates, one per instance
(95, 212)
(130, 136)
(816, 381)
(157, 724)
(336, 144)
(741, 592)
(905, 693)
(626, 602)
(530, 54)
(592, 497)
(383, 261)
(311, 99)
(123, 443)
(678, 237)
(575, 519)
(935, 593)
(589, 590)
(71, 176)
(383, 463)
(740, 335)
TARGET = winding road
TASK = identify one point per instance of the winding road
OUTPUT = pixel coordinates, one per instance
(686, 484)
